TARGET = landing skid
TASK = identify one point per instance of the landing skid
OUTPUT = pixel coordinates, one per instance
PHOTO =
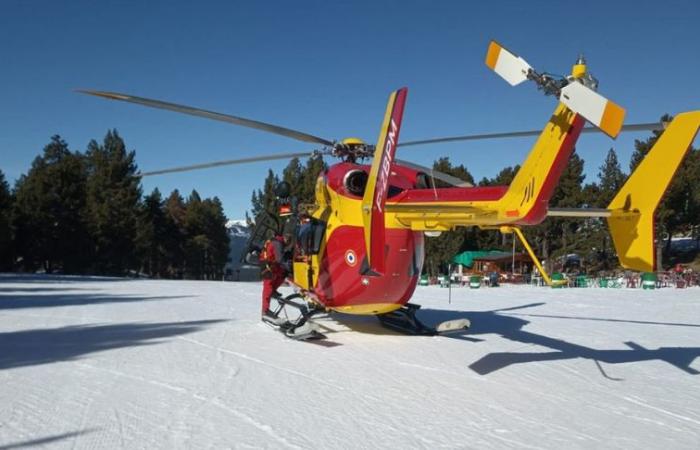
(404, 320)
(298, 327)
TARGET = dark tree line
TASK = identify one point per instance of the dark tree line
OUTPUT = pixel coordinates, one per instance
(679, 211)
(83, 213)
(301, 178)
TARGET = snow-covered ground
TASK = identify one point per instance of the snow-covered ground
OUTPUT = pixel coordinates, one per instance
(108, 363)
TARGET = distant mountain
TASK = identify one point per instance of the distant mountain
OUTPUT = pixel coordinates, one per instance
(238, 228)
(239, 233)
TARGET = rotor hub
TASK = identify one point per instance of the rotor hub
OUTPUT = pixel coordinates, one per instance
(352, 149)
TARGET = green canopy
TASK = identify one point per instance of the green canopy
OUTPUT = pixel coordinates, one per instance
(467, 258)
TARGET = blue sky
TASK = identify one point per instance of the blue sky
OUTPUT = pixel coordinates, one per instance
(325, 68)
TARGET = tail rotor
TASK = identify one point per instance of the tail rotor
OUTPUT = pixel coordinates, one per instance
(577, 91)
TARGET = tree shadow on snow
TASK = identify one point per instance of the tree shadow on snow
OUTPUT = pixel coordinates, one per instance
(10, 299)
(8, 290)
(45, 346)
(511, 327)
(44, 440)
(55, 279)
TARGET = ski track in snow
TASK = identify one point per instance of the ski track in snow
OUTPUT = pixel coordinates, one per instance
(110, 363)
(180, 390)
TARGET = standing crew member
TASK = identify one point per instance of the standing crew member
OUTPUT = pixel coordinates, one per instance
(274, 270)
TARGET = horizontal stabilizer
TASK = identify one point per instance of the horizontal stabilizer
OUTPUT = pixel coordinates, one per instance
(509, 66)
(578, 212)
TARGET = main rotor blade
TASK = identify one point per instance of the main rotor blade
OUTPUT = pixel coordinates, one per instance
(655, 126)
(454, 181)
(298, 135)
(227, 162)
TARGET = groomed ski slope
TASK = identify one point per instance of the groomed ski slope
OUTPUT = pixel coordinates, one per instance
(111, 363)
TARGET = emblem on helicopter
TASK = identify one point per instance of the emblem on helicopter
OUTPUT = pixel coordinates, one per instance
(350, 258)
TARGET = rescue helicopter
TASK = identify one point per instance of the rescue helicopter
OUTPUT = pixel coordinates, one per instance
(361, 249)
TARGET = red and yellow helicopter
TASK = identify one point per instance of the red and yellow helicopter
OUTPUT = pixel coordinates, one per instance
(361, 250)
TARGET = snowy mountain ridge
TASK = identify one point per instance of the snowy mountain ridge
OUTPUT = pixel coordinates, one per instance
(237, 227)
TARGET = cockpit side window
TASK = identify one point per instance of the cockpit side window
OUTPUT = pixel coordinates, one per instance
(310, 236)
(423, 181)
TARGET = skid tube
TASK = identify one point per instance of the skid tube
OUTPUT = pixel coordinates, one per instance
(297, 328)
(404, 320)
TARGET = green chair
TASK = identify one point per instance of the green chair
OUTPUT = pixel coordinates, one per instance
(581, 281)
(648, 280)
(558, 280)
(475, 281)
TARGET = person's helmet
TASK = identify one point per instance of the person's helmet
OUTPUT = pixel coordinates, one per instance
(283, 189)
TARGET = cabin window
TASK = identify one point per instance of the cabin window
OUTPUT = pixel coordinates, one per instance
(310, 236)
(423, 181)
(393, 191)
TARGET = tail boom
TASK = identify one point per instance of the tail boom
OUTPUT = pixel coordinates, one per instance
(524, 202)
(528, 196)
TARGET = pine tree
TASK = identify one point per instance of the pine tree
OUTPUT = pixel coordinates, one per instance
(265, 200)
(207, 242)
(554, 237)
(215, 224)
(504, 177)
(440, 250)
(196, 241)
(445, 166)
(48, 217)
(611, 178)
(151, 235)
(174, 235)
(6, 247)
(315, 166)
(113, 193)
(490, 239)
(293, 174)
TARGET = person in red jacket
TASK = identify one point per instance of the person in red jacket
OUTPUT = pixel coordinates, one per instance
(274, 270)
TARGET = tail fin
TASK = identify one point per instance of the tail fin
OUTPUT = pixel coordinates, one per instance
(632, 210)
(378, 181)
(527, 198)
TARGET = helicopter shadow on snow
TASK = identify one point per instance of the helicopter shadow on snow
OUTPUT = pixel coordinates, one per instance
(510, 324)
(430, 317)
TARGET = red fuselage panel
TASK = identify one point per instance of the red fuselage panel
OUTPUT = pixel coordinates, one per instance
(340, 281)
